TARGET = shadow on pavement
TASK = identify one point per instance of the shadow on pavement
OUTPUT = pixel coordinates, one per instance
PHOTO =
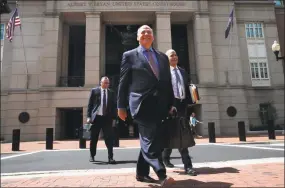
(208, 170)
(196, 183)
(117, 162)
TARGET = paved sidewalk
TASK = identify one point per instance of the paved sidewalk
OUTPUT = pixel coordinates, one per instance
(259, 175)
(40, 145)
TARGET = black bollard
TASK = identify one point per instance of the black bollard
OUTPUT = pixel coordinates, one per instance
(16, 140)
(211, 132)
(82, 141)
(49, 138)
(241, 131)
(271, 130)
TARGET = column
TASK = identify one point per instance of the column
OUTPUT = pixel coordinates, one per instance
(92, 49)
(65, 49)
(51, 61)
(191, 52)
(203, 49)
(163, 31)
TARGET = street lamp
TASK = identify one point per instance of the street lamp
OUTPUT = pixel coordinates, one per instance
(276, 49)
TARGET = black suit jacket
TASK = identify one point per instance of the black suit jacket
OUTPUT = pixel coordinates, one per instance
(95, 101)
(137, 81)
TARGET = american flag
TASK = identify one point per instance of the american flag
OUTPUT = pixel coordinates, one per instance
(13, 22)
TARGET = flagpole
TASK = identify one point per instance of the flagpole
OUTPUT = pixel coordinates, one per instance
(26, 65)
(230, 57)
(230, 49)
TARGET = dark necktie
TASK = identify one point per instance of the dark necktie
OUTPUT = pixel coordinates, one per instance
(178, 81)
(104, 102)
(152, 63)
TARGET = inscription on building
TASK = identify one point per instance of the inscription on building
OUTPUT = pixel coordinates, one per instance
(131, 4)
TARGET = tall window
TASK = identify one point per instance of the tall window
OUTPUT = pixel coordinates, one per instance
(257, 54)
(2, 31)
(2, 41)
(278, 2)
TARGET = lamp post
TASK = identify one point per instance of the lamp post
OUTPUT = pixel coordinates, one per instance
(276, 49)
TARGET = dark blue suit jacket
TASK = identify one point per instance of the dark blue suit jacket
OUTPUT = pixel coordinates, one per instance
(137, 82)
(95, 101)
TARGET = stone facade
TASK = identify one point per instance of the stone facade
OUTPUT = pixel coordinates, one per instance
(34, 62)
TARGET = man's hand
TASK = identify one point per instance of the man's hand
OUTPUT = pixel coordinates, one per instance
(88, 120)
(172, 110)
(122, 114)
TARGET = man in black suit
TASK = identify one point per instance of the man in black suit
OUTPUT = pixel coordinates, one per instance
(100, 112)
(182, 98)
(145, 86)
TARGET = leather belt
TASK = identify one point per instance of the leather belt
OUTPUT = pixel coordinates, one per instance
(180, 100)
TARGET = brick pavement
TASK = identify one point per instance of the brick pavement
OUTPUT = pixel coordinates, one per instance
(258, 175)
(40, 145)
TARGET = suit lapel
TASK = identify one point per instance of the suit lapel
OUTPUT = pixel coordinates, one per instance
(109, 98)
(183, 75)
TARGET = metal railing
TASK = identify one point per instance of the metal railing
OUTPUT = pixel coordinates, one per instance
(71, 81)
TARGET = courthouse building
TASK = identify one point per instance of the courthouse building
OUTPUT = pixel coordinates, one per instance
(64, 48)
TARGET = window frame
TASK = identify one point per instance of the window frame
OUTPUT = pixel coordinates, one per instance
(254, 38)
(3, 33)
(259, 61)
(257, 82)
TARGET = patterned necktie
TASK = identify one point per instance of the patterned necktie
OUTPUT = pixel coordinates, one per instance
(104, 102)
(152, 63)
(178, 82)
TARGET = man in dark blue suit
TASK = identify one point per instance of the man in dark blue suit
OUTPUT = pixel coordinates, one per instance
(145, 86)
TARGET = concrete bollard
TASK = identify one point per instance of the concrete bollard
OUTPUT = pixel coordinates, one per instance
(241, 131)
(211, 132)
(82, 141)
(271, 130)
(16, 140)
(49, 138)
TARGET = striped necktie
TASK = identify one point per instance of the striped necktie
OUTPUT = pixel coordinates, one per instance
(152, 63)
(178, 82)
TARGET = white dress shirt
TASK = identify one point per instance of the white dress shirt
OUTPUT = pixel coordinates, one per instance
(100, 108)
(181, 86)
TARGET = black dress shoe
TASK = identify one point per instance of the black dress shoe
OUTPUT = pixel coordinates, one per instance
(91, 159)
(146, 179)
(112, 161)
(168, 164)
(191, 172)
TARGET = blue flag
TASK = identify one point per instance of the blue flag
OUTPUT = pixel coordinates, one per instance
(230, 23)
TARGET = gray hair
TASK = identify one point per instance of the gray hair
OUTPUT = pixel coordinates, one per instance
(104, 78)
(170, 51)
(141, 27)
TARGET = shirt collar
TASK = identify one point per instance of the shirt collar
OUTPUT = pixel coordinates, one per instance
(143, 49)
(172, 68)
(103, 89)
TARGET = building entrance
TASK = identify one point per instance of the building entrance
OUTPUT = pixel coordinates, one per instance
(70, 120)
